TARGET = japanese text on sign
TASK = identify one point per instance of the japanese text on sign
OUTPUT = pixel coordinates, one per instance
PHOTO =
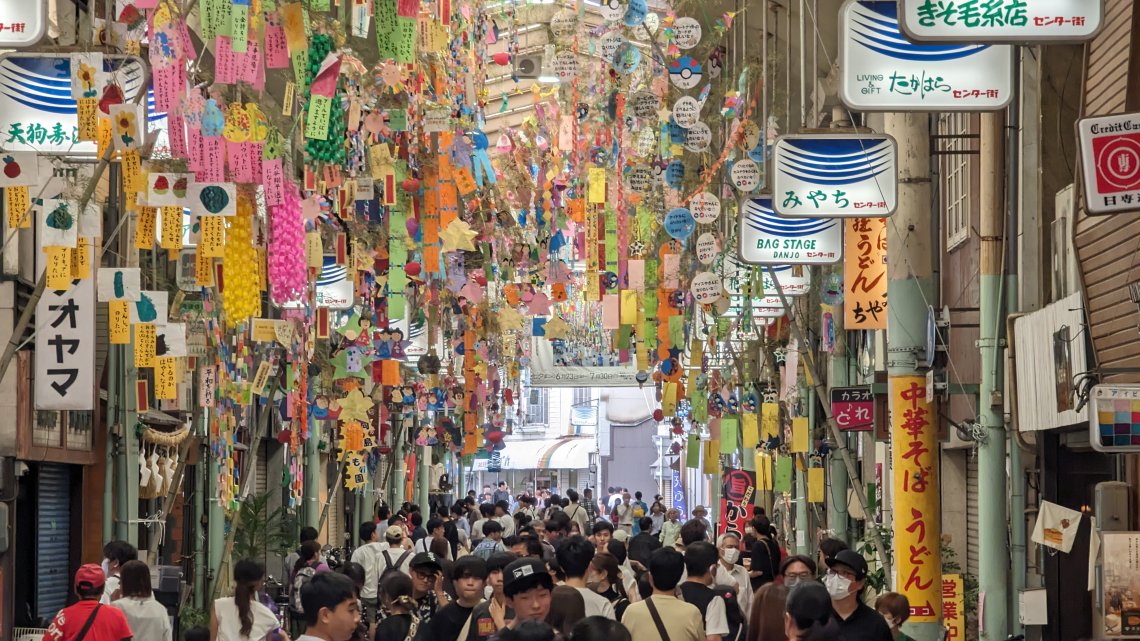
(736, 502)
(914, 457)
(991, 21)
(65, 348)
(953, 610)
(865, 273)
(853, 408)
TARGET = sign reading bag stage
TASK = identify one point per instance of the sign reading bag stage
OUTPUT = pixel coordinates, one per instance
(1012, 21)
(1110, 162)
(884, 71)
(835, 176)
(768, 239)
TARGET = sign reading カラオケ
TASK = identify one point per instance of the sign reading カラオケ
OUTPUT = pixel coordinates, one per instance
(22, 22)
(835, 175)
(768, 239)
(1012, 21)
(1110, 162)
(884, 71)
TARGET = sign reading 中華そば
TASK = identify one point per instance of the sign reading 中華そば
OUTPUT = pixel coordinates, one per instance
(768, 239)
(1012, 21)
(884, 71)
(1110, 162)
(835, 176)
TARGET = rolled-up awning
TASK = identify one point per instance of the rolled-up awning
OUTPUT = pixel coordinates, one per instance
(570, 453)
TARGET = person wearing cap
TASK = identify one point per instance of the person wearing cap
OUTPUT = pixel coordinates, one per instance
(846, 576)
(662, 616)
(527, 586)
(427, 585)
(368, 555)
(494, 607)
(454, 621)
(89, 619)
(807, 616)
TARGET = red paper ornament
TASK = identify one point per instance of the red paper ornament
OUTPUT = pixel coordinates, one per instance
(658, 415)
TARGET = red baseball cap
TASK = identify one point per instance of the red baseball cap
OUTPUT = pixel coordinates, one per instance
(91, 575)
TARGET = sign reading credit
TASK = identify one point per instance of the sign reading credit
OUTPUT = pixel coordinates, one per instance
(1110, 162)
(835, 176)
(884, 71)
(1012, 21)
(768, 239)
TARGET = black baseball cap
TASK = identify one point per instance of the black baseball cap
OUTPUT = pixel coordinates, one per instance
(426, 561)
(525, 574)
(851, 559)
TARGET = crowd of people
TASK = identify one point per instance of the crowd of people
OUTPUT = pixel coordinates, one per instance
(566, 568)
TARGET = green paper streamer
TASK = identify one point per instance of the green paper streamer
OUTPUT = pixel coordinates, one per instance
(649, 304)
(700, 411)
(693, 453)
(676, 331)
(611, 242)
(239, 27)
(729, 435)
(782, 482)
(623, 333)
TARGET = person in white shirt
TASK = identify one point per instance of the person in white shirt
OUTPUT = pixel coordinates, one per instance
(242, 617)
(577, 513)
(147, 617)
(368, 556)
(435, 531)
(700, 561)
(331, 609)
(625, 513)
(574, 556)
(728, 572)
(503, 514)
(486, 511)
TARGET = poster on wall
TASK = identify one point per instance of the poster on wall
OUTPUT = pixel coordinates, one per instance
(1120, 578)
(738, 489)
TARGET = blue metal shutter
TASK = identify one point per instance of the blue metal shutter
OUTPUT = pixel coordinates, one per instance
(53, 539)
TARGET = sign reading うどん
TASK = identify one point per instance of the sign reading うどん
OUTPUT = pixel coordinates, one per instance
(884, 71)
(768, 239)
(1110, 162)
(835, 176)
(997, 21)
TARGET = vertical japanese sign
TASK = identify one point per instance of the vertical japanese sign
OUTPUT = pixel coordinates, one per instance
(917, 528)
(1014, 21)
(826, 176)
(1120, 572)
(736, 501)
(884, 71)
(865, 273)
(678, 491)
(853, 408)
(953, 607)
(1110, 162)
(65, 348)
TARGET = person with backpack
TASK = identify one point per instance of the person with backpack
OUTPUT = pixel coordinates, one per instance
(368, 556)
(398, 556)
(303, 572)
(492, 540)
(89, 620)
(700, 563)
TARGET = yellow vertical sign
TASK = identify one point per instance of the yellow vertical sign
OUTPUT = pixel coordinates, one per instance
(953, 607)
(865, 273)
(917, 507)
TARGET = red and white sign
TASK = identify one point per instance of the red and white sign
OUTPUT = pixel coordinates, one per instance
(1110, 162)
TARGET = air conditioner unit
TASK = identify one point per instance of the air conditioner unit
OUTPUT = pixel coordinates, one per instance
(528, 65)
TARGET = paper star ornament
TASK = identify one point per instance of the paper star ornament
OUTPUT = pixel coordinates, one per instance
(354, 406)
(510, 319)
(458, 237)
(539, 305)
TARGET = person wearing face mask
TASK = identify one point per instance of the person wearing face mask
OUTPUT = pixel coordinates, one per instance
(766, 620)
(700, 563)
(729, 572)
(845, 578)
(895, 609)
(605, 578)
(115, 555)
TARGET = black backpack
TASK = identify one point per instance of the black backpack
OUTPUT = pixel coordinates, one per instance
(389, 567)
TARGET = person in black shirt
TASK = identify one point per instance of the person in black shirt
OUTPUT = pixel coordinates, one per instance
(483, 617)
(401, 622)
(469, 575)
(846, 576)
(642, 545)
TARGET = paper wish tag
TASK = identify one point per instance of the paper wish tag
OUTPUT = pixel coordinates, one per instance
(686, 32)
(686, 111)
(745, 175)
(705, 207)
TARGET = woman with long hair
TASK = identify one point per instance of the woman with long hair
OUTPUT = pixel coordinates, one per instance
(808, 615)
(401, 621)
(567, 608)
(242, 617)
(147, 617)
(604, 577)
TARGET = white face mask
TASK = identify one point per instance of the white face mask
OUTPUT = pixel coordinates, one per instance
(731, 555)
(837, 586)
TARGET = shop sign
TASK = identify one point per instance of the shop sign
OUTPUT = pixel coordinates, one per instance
(1114, 418)
(998, 21)
(884, 71)
(769, 239)
(853, 408)
(1110, 162)
(865, 273)
(953, 607)
(1120, 572)
(738, 489)
(835, 176)
(917, 509)
(795, 280)
(22, 23)
(65, 348)
(37, 112)
(678, 490)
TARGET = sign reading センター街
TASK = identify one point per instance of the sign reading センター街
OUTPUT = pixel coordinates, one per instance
(1014, 21)
(1110, 162)
(834, 176)
(917, 530)
(884, 71)
(768, 239)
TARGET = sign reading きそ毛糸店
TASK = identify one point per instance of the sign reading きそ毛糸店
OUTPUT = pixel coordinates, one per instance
(1110, 162)
(884, 71)
(835, 176)
(996, 21)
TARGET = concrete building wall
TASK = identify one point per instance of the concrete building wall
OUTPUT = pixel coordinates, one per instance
(633, 457)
